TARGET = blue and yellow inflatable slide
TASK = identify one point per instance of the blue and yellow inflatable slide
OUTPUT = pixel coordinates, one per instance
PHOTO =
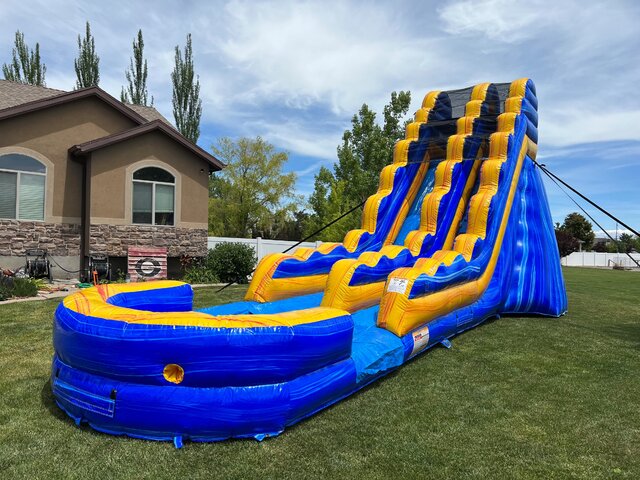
(458, 232)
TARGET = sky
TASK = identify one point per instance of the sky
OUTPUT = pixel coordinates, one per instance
(295, 72)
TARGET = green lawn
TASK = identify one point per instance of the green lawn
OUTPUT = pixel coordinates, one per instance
(513, 398)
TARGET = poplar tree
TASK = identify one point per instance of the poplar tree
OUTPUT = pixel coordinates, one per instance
(26, 66)
(87, 63)
(187, 105)
(136, 92)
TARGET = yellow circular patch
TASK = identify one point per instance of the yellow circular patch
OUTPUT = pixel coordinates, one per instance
(173, 373)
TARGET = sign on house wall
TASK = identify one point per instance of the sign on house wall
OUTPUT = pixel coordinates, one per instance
(147, 263)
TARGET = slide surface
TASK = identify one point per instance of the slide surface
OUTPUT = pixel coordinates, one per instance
(458, 232)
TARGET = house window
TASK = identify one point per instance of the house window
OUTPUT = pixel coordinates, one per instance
(153, 196)
(22, 187)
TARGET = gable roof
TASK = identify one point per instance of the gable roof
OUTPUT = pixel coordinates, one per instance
(14, 94)
(156, 125)
(18, 99)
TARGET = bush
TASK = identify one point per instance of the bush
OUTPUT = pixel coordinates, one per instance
(18, 287)
(226, 262)
(231, 262)
(199, 274)
(25, 287)
(5, 294)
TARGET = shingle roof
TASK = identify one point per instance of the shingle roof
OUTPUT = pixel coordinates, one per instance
(13, 94)
(149, 113)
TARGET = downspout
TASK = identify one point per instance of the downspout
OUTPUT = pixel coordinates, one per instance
(85, 216)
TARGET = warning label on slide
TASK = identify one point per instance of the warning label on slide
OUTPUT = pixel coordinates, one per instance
(420, 340)
(398, 285)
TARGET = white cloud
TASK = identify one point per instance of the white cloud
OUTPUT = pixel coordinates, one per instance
(502, 20)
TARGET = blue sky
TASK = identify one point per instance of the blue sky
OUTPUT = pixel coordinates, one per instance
(295, 72)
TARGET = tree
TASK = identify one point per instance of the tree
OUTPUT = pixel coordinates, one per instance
(87, 63)
(26, 65)
(328, 202)
(365, 149)
(600, 247)
(187, 106)
(567, 243)
(252, 194)
(136, 92)
(580, 229)
(626, 243)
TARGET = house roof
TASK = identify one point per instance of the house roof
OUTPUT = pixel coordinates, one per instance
(18, 99)
(13, 94)
(155, 125)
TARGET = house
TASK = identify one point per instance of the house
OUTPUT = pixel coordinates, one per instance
(83, 173)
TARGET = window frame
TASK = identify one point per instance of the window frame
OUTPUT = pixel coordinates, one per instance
(153, 184)
(44, 194)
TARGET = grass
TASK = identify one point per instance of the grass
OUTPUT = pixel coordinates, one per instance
(513, 398)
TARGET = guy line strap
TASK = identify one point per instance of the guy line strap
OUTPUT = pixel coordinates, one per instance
(551, 176)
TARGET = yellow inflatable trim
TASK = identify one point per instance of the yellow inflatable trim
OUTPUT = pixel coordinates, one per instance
(93, 302)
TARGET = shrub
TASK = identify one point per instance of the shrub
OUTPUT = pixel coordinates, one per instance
(24, 287)
(226, 262)
(199, 274)
(231, 262)
(5, 294)
(6, 287)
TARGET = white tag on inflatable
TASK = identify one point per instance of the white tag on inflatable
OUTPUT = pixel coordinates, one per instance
(420, 340)
(398, 285)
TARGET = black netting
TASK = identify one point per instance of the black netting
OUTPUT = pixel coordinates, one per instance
(496, 95)
(459, 99)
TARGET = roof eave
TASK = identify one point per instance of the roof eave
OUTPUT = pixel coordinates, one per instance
(156, 125)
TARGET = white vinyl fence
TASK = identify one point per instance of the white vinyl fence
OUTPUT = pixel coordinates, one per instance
(597, 259)
(260, 245)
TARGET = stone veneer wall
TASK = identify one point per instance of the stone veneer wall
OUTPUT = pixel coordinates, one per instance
(115, 239)
(59, 239)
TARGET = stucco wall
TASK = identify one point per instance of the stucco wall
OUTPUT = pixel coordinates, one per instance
(49, 133)
(112, 172)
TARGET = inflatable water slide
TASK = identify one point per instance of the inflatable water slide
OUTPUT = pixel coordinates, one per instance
(458, 232)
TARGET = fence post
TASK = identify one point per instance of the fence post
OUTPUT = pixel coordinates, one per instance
(259, 248)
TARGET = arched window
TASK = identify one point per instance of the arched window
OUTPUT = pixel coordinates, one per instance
(153, 196)
(22, 187)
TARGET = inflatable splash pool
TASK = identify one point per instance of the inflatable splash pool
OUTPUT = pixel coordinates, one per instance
(458, 232)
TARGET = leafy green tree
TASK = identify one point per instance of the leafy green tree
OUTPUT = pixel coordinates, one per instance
(252, 194)
(328, 202)
(187, 105)
(26, 65)
(365, 149)
(566, 242)
(580, 229)
(87, 63)
(626, 243)
(136, 91)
